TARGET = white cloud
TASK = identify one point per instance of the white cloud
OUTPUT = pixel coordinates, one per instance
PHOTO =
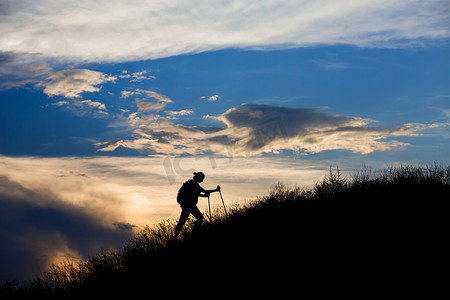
(94, 104)
(211, 98)
(71, 83)
(145, 104)
(176, 114)
(115, 30)
(126, 94)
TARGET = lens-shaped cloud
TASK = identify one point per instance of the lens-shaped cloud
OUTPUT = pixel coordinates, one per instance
(254, 129)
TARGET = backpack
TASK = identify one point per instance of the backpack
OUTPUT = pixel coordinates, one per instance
(181, 194)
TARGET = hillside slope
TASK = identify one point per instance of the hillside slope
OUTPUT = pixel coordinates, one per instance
(371, 231)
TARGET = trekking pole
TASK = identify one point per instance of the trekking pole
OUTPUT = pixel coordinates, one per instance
(220, 192)
(209, 206)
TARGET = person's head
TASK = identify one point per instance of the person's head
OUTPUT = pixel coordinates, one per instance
(199, 176)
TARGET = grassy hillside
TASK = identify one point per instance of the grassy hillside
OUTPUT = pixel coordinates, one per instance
(371, 231)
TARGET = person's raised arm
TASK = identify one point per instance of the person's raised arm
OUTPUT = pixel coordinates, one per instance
(211, 191)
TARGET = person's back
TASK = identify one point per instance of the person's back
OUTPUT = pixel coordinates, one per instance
(192, 192)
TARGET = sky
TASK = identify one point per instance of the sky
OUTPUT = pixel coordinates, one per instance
(107, 107)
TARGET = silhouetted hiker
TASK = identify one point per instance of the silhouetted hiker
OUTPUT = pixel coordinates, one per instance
(188, 198)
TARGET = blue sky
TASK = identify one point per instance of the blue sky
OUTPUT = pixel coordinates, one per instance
(389, 87)
(106, 107)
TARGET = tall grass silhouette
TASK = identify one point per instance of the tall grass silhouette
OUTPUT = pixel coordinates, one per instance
(390, 221)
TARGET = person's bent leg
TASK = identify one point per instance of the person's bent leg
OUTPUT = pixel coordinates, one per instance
(198, 216)
(183, 217)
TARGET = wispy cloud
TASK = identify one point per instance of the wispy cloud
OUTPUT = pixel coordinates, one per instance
(137, 76)
(147, 93)
(24, 74)
(84, 108)
(333, 64)
(138, 30)
(144, 105)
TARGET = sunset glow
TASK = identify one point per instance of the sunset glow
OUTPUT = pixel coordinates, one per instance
(107, 107)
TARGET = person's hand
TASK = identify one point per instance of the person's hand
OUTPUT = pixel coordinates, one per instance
(218, 188)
